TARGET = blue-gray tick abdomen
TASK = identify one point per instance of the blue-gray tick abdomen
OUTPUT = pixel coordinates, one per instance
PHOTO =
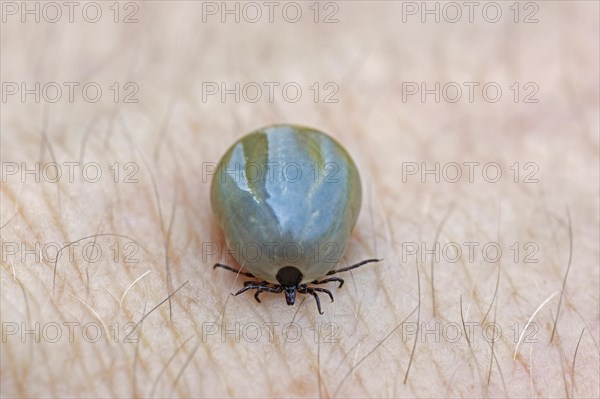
(286, 195)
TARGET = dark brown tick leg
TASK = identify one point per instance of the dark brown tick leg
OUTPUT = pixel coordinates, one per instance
(359, 264)
(265, 283)
(322, 290)
(318, 301)
(327, 280)
(276, 289)
(232, 269)
(259, 286)
(303, 289)
(255, 286)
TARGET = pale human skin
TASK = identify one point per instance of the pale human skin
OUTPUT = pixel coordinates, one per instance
(163, 219)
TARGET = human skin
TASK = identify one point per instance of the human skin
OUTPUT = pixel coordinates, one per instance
(413, 325)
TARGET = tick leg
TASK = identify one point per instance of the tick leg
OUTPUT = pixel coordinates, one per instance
(276, 289)
(322, 290)
(266, 283)
(345, 269)
(303, 289)
(316, 299)
(256, 294)
(259, 286)
(232, 269)
(327, 280)
(258, 291)
(254, 285)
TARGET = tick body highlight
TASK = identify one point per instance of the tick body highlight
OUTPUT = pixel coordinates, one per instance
(287, 198)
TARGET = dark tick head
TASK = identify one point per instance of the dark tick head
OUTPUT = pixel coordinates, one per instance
(290, 278)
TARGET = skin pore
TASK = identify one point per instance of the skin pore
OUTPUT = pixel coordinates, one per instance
(507, 306)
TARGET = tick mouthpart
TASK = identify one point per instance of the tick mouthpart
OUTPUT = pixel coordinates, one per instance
(290, 295)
